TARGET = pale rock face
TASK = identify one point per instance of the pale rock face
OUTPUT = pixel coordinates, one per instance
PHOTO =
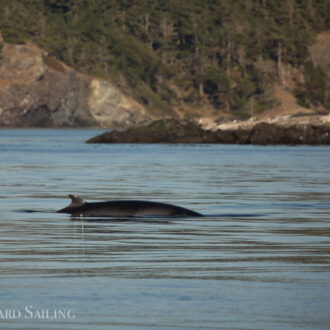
(36, 90)
(109, 107)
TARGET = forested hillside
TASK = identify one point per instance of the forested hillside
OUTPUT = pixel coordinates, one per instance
(223, 54)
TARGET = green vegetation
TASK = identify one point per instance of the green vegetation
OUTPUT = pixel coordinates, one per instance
(168, 52)
(313, 92)
(1, 46)
(53, 63)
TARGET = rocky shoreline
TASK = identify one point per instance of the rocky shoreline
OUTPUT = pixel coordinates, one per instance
(185, 131)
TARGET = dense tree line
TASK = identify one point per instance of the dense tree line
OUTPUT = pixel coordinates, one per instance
(166, 53)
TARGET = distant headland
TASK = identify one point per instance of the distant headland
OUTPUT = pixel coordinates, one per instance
(244, 72)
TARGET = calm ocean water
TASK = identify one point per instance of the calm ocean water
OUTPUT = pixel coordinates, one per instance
(260, 259)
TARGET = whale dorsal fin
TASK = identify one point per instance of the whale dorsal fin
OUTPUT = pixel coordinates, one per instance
(76, 201)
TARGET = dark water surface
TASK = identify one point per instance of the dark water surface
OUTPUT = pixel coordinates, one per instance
(260, 259)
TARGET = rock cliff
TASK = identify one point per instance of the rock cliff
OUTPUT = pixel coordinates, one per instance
(36, 90)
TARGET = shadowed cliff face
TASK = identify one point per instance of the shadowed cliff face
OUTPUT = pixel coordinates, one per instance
(37, 90)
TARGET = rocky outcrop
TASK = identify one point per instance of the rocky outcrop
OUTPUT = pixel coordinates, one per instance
(183, 131)
(159, 131)
(36, 90)
(264, 133)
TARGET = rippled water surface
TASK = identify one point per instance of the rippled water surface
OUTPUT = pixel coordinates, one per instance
(259, 259)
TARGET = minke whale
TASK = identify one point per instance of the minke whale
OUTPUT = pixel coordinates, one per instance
(125, 208)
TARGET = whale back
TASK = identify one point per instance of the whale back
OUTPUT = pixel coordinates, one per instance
(124, 208)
